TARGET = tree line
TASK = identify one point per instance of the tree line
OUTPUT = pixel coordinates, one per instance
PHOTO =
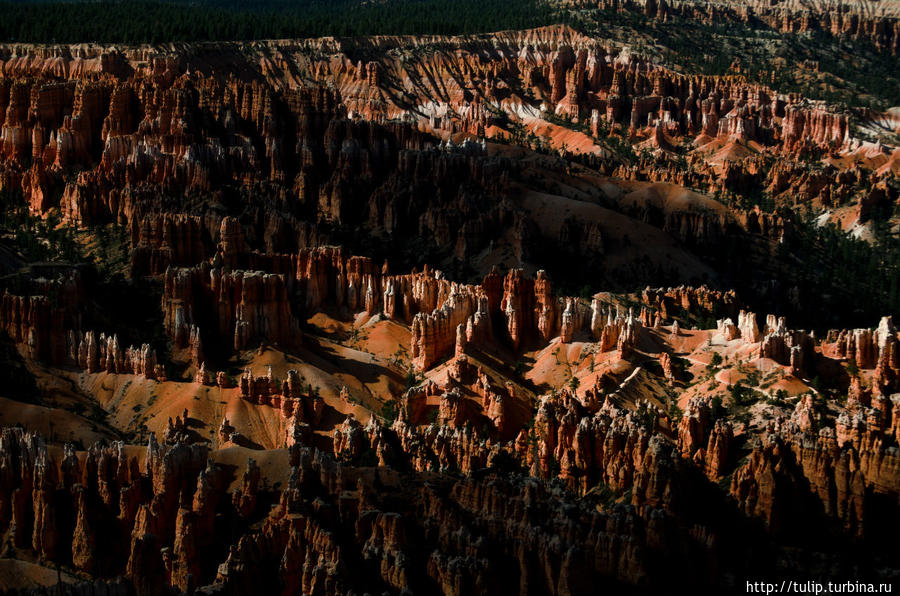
(155, 21)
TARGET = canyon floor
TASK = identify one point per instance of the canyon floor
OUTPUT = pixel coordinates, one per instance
(598, 306)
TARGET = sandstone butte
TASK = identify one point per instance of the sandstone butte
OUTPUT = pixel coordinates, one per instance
(290, 416)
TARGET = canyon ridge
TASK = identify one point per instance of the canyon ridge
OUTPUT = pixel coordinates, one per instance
(602, 305)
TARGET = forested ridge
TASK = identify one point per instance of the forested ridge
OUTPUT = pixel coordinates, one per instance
(137, 21)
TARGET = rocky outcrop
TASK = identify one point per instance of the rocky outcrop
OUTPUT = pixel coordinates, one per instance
(869, 349)
(47, 327)
(103, 353)
(671, 369)
(434, 334)
(814, 126)
(163, 240)
(45, 303)
(792, 348)
(293, 398)
(242, 307)
(707, 442)
(33, 323)
(700, 301)
(846, 465)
